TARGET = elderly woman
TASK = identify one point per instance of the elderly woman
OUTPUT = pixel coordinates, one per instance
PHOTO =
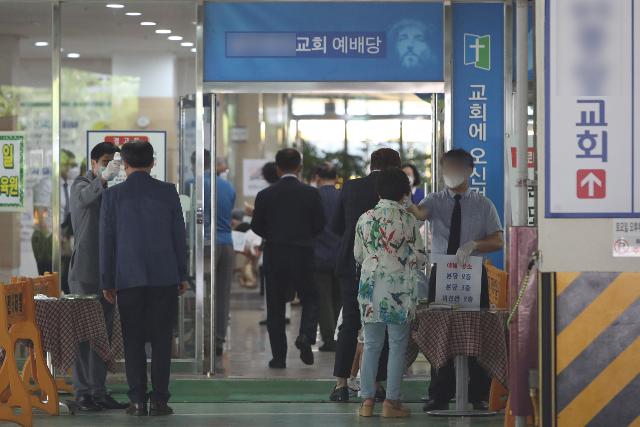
(390, 250)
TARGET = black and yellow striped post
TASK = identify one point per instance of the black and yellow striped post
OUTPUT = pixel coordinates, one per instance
(591, 364)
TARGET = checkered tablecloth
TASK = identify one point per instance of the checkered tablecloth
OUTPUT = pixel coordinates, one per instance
(442, 334)
(63, 324)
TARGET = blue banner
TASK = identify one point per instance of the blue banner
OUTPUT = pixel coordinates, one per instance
(323, 41)
(478, 97)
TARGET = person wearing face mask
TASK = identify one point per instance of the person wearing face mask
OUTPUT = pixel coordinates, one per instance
(464, 223)
(417, 192)
(69, 171)
(89, 370)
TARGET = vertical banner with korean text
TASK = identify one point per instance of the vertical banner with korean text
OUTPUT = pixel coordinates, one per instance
(478, 96)
(12, 172)
(592, 165)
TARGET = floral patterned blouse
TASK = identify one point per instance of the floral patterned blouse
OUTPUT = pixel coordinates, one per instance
(391, 251)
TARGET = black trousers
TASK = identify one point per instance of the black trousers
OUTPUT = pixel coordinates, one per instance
(148, 314)
(289, 271)
(348, 333)
(329, 303)
(443, 381)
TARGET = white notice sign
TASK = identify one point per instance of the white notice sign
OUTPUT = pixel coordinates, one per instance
(157, 139)
(458, 285)
(592, 149)
(252, 179)
(626, 238)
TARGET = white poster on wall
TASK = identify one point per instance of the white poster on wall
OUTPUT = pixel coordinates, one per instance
(252, 178)
(458, 285)
(12, 171)
(157, 139)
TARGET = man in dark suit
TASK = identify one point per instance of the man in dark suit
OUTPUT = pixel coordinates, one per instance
(288, 215)
(357, 197)
(143, 261)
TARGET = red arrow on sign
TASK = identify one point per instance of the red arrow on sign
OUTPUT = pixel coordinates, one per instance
(591, 183)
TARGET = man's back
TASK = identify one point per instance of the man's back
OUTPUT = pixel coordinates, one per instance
(357, 197)
(142, 234)
(327, 243)
(288, 213)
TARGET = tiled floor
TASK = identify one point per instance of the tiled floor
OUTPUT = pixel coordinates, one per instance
(247, 351)
(261, 414)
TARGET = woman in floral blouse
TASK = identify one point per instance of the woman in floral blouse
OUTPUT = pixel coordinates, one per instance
(390, 251)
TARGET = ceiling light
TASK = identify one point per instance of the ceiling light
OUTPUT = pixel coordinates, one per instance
(193, 50)
(147, 23)
(115, 6)
(186, 44)
(163, 31)
(175, 38)
(73, 55)
(133, 14)
(41, 44)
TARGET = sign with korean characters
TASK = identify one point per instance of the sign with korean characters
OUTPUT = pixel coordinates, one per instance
(323, 41)
(592, 83)
(157, 139)
(626, 238)
(458, 285)
(12, 171)
(478, 97)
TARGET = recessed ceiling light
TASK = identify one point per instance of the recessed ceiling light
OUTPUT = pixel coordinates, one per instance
(41, 44)
(186, 44)
(163, 31)
(133, 14)
(147, 23)
(175, 38)
(193, 50)
(115, 6)
(73, 55)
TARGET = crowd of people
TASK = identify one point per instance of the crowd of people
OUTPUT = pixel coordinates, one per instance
(352, 256)
(360, 250)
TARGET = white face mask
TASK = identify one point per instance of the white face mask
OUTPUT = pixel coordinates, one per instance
(411, 180)
(454, 181)
(73, 173)
(224, 175)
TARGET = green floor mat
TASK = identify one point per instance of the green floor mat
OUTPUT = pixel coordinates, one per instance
(268, 390)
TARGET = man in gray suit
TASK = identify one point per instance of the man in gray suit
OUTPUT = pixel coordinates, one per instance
(89, 370)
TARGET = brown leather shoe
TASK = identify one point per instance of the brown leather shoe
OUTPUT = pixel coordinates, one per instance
(366, 409)
(394, 409)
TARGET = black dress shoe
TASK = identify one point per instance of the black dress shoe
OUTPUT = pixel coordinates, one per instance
(329, 346)
(381, 394)
(262, 322)
(306, 354)
(481, 406)
(277, 364)
(87, 404)
(339, 394)
(159, 409)
(137, 409)
(108, 402)
(433, 405)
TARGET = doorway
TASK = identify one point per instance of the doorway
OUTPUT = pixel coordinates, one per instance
(341, 128)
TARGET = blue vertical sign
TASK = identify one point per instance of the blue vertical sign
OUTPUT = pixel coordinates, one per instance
(478, 96)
